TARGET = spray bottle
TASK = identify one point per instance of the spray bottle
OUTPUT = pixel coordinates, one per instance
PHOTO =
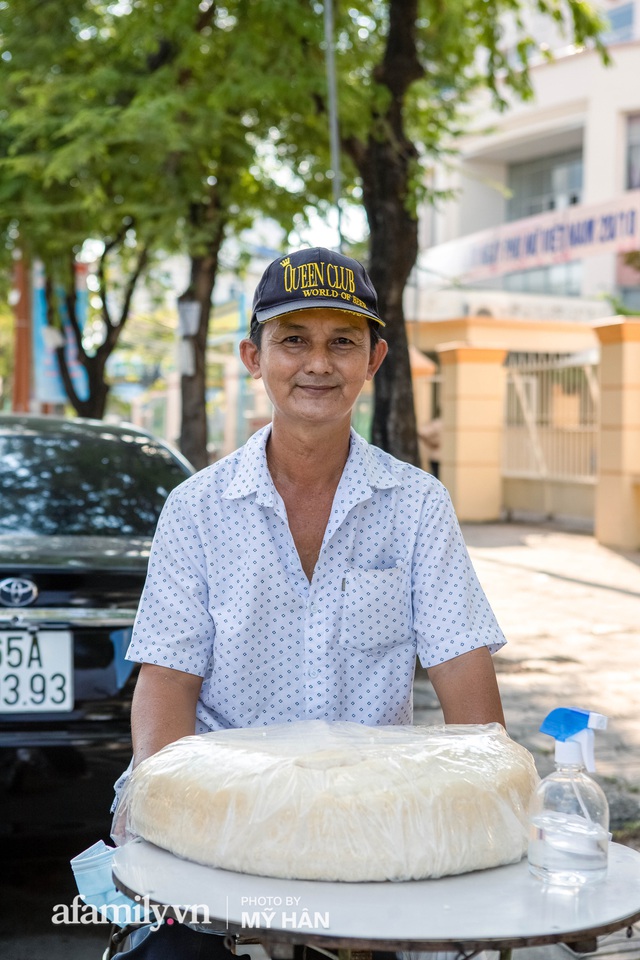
(569, 814)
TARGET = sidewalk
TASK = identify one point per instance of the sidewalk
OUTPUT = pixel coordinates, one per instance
(570, 609)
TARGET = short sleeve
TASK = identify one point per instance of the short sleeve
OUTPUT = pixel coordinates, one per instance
(451, 614)
(173, 626)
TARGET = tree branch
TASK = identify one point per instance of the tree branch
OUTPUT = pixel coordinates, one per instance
(400, 65)
(102, 280)
(114, 330)
(357, 150)
(67, 381)
(131, 284)
(167, 50)
(60, 351)
(70, 299)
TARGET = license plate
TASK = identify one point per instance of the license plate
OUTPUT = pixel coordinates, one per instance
(36, 671)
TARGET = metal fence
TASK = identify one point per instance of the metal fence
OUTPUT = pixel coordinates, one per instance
(552, 410)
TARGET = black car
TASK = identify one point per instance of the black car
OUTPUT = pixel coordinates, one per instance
(79, 502)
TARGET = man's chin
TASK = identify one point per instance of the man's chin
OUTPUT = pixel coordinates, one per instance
(319, 412)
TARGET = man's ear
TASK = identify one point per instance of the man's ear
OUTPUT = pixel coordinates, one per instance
(376, 357)
(250, 356)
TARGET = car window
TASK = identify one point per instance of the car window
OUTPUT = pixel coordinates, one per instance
(107, 485)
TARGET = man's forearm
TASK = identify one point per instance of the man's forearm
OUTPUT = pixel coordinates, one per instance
(163, 709)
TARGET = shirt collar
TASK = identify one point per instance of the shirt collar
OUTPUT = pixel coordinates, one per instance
(252, 474)
(361, 475)
(362, 469)
(363, 462)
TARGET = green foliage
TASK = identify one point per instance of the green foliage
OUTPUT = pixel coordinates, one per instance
(618, 307)
(632, 259)
(164, 126)
(178, 116)
(463, 49)
(149, 128)
(172, 115)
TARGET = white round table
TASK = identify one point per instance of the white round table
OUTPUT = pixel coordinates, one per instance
(490, 909)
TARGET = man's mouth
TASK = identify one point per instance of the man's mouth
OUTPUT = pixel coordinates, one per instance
(317, 387)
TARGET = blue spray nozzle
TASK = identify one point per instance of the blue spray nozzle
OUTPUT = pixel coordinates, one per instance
(572, 728)
(565, 722)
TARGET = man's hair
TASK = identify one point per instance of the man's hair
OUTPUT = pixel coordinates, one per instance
(255, 332)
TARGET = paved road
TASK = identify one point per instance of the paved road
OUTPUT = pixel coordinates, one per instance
(570, 610)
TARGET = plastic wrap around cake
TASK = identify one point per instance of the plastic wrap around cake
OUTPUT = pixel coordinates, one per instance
(337, 801)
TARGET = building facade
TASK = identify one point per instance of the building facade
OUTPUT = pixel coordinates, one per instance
(547, 194)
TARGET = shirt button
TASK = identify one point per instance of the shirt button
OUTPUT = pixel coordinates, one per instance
(313, 674)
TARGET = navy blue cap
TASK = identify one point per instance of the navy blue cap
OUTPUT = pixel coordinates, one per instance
(316, 277)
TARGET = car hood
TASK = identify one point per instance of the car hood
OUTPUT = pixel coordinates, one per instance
(73, 553)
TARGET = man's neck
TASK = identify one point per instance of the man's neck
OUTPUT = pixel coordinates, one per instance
(307, 459)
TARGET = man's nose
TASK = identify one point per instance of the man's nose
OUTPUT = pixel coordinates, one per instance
(318, 359)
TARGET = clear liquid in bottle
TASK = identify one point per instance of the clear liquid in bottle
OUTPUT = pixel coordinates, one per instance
(566, 849)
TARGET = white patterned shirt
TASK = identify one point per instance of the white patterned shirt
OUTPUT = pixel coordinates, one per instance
(226, 597)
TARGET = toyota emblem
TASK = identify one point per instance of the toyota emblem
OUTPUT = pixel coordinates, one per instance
(17, 593)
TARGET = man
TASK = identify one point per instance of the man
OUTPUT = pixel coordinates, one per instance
(298, 578)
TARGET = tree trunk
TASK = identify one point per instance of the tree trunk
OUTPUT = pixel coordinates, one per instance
(393, 252)
(95, 404)
(386, 163)
(194, 434)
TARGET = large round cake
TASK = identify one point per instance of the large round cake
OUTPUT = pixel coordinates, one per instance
(338, 801)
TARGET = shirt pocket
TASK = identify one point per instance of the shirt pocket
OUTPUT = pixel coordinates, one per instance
(376, 609)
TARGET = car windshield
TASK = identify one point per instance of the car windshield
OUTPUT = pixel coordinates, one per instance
(66, 484)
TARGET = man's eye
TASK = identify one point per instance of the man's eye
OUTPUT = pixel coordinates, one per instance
(343, 340)
(292, 339)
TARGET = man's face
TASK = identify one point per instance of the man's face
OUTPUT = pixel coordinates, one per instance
(314, 363)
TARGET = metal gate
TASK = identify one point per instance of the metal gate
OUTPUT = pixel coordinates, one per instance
(552, 414)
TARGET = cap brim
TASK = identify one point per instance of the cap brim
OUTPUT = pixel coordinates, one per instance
(294, 306)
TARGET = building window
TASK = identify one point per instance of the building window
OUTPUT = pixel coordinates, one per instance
(556, 280)
(630, 297)
(548, 183)
(620, 20)
(633, 153)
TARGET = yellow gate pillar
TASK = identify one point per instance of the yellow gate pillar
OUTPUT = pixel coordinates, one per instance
(472, 390)
(617, 521)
